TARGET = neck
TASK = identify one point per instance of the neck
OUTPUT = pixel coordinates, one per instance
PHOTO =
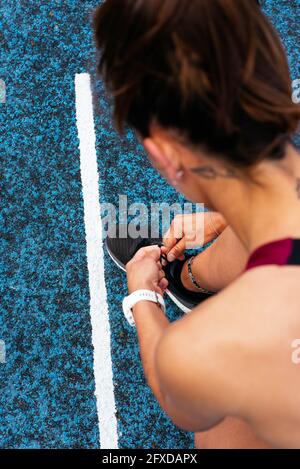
(268, 209)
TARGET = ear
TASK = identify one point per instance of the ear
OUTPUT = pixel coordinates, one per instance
(161, 158)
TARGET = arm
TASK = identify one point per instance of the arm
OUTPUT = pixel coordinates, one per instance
(164, 353)
(184, 373)
(152, 326)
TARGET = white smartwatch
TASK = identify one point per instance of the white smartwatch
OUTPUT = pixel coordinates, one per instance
(141, 295)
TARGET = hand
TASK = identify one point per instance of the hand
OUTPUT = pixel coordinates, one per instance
(144, 271)
(191, 231)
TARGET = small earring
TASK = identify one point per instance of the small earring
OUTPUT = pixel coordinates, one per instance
(179, 174)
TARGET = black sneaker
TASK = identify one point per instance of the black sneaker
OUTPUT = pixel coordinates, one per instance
(121, 250)
(185, 299)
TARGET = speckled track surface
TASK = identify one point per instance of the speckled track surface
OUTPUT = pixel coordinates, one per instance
(47, 383)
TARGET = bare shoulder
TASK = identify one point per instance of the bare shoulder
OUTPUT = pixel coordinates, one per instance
(236, 346)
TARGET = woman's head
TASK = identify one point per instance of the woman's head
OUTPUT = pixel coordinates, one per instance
(211, 73)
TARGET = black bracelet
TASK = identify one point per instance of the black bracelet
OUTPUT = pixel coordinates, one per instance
(194, 281)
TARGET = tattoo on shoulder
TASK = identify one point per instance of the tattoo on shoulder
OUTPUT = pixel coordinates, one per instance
(208, 172)
(298, 187)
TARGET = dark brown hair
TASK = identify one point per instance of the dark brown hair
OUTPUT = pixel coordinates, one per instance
(214, 71)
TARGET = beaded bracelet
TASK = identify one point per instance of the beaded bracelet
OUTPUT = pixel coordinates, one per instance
(194, 281)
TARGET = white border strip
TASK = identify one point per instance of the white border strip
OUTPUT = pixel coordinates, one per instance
(98, 296)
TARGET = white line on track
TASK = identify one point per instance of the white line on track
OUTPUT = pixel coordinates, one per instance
(98, 296)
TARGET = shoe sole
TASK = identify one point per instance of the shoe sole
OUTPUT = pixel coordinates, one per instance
(121, 266)
(182, 307)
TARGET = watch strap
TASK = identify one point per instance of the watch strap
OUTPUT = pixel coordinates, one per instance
(140, 295)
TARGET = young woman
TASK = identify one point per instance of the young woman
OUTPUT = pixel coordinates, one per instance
(206, 86)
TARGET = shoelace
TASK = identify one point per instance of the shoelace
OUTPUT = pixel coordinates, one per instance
(163, 256)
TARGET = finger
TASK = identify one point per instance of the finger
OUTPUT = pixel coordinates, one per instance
(174, 233)
(169, 239)
(159, 265)
(158, 290)
(161, 275)
(164, 252)
(177, 251)
(163, 284)
(152, 251)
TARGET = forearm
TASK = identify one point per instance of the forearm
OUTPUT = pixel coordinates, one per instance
(151, 323)
(153, 327)
(220, 264)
